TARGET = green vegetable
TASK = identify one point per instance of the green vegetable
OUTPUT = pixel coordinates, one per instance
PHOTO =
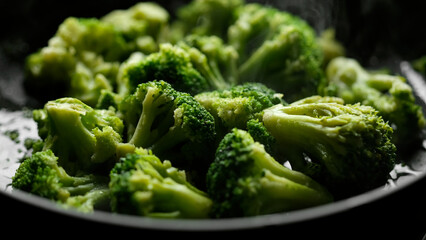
(142, 184)
(41, 175)
(390, 95)
(83, 138)
(347, 148)
(278, 49)
(244, 180)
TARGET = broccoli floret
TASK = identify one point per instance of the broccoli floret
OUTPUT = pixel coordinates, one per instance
(142, 184)
(278, 49)
(330, 46)
(41, 175)
(234, 106)
(214, 59)
(244, 180)
(142, 25)
(170, 123)
(80, 59)
(347, 148)
(83, 138)
(171, 64)
(391, 95)
(207, 17)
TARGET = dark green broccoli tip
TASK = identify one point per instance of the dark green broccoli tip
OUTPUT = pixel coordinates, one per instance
(41, 175)
(390, 95)
(347, 148)
(142, 184)
(244, 180)
(171, 64)
(84, 139)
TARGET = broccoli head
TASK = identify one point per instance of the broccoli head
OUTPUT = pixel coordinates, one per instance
(234, 106)
(278, 49)
(213, 58)
(170, 123)
(244, 180)
(390, 95)
(347, 148)
(171, 64)
(83, 138)
(142, 184)
(41, 175)
(142, 25)
(207, 17)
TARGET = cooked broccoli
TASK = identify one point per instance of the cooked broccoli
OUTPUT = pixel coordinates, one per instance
(347, 148)
(234, 106)
(391, 95)
(206, 17)
(214, 59)
(244, 180)
(83, 138)
(142, 184)
(80, 60)
(41, 175)
(278, 49)
(171, 64)
(170, 123)
(330, 46)
(142, 25)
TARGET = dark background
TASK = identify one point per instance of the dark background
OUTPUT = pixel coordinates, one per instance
(376, 32)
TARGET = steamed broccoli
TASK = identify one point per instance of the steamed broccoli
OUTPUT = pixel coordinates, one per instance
(171, 64)
(391, 95)
(142, 25)
(347, 148)
(83, 138)
(41, 175)
(244, 180)
(170, 123)
(278, 49)
(206, 17)
(142, 184)
(214, 59)
(234, 106)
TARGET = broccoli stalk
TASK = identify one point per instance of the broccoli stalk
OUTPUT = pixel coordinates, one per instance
(82, 137)
(244, 180)
(41, 175)
(347, 148)
(142, 184)
(390, 95)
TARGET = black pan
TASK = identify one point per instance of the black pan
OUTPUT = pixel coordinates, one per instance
(378, 33)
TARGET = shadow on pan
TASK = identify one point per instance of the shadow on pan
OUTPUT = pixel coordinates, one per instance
(378, 33)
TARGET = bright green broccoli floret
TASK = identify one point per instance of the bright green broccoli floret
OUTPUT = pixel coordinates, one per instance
(278, 49)
(142, 184)
(171, 64)
(41, 175)
(83, 138)
(170, 123)
(207, 17)
(234, 106)
(142, 25)
(214, 59)
(391, 95)
(347, 148)
(244, 180)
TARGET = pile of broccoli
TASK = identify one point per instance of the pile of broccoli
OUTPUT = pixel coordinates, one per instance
(227, 109)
